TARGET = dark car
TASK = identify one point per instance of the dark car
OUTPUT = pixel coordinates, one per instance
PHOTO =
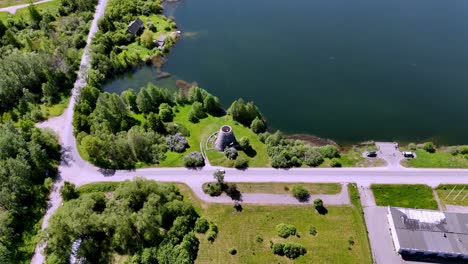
(371, 154)
(408, 154)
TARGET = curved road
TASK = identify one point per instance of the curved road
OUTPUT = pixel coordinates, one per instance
(74, 169)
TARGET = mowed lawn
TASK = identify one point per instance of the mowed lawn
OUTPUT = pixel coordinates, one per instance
(453, 194)
(440, 159)
(286, 187)
(199, 133)
(404, 195)
(239, 230)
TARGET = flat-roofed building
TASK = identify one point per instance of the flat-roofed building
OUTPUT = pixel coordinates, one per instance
(429, 233)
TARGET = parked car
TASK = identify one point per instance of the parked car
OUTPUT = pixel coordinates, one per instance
(408, 154)
(371, 154)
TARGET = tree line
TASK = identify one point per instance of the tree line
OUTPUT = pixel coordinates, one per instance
(28, 162)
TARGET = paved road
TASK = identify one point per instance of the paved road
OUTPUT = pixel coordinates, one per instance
(13, 9)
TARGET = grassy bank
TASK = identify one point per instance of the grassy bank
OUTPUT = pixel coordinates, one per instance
(242, 230)
(440, 159)
(285, 188)
(404, 195)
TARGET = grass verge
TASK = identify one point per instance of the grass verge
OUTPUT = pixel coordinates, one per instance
(404, 195)
(439, 159)
(285, 188)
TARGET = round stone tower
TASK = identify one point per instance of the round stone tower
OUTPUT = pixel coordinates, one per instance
(225, 138)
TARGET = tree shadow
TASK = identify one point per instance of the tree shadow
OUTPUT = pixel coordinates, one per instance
(304, 199)
(322, 210)
(250, 152)
(107, 172)
(66, 157)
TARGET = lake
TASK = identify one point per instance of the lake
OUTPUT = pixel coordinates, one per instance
(349, 70)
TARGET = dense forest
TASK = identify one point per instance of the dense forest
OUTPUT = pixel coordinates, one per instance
(142, 219)
(39, 57)
(28, 163)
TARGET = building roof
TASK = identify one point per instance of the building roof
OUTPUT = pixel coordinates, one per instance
(431, 231)
(135, 25)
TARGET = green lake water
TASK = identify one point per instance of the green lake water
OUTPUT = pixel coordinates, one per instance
(349, 70)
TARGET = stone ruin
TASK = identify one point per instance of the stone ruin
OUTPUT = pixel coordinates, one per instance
(225, 138)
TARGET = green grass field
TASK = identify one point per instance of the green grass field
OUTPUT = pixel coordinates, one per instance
(239, 230)
(459, 195)
(6, 3)
(56, 109)
(404, 195)
(439, 159)
(200, 132)
(285, 188)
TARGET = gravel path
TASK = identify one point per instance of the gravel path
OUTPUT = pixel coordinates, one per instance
(62, 125)
(12, 9)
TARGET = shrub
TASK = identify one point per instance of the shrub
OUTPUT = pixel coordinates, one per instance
(335, 163)
(177, 143)
(313, 230)
(329, 151)
(211, 236)
(230, 153)
(194, 159)
(192, 117)
(201, 225)
(412, 146)
(241, 163)
(259, 239)
(429, 147)
(319, 207)
(300, 192)
(313, 158)
(454, 151)
(463, 150)
(290, 250)
(258, 125)
(284, 230)
(213, 189)
(244, 143)
(232, 251)
(68, 191)
(165, 112)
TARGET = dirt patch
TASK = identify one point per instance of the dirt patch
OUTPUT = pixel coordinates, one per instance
(312, 140)
(185, 86)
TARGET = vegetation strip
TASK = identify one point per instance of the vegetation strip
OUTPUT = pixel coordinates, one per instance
(404, 195)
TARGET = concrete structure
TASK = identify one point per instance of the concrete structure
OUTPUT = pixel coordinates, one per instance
(225, 138)
(135, 26)
(160, 41)
(429, 233)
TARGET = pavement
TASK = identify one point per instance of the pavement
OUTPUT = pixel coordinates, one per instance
(390, 152)
(12, 9)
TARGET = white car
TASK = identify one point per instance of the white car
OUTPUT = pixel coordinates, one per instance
(408, 154)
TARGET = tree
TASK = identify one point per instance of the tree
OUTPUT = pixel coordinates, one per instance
(258, 125)
(241, 163)
(35, 16)
(155, 123)
(218, 175)
(129, 97)
(212, 105)
(319, 207)
(68, 191)
(143, 101)
(243, 113)
(300, 192)
(429, 147)
(230, 153)
(329, 151)
(110, 113)
(3, 29)
(194, 159)
(201, 225)
(284, 230)
(146, 39)
(312, 157)
(244, 143)
(165, 111)
(177, 143)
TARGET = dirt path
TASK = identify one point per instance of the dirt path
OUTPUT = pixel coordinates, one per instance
(12, 9)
